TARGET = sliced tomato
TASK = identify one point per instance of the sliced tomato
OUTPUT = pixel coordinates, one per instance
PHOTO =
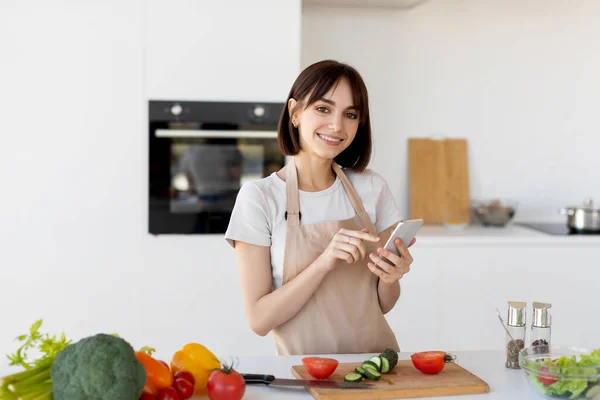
(431, 362)
(546, 380)
(320, 367)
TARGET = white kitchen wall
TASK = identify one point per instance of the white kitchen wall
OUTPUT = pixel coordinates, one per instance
(518, 79)
(74, 247)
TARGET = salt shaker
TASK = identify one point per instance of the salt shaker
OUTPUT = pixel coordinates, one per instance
(516, 324)
(541, 326)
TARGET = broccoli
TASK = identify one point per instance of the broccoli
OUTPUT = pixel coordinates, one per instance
(99, 367)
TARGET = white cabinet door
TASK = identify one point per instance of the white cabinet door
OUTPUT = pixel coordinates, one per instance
(226, 50)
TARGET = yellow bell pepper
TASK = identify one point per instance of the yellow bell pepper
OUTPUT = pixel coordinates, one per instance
(197, 360)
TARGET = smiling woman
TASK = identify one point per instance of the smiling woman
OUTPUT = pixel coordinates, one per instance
(333, 108)
(308, 237)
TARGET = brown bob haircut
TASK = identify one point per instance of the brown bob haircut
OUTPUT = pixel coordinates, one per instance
(315, 81)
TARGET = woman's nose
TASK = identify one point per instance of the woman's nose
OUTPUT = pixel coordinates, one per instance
(334, 124)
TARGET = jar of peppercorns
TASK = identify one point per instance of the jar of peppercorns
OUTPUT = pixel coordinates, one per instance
(516, 325)
(541, 327)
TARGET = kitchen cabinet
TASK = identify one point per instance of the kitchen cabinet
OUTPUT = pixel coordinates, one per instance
(228, 50)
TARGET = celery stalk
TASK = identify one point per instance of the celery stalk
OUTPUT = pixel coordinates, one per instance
(32, 381)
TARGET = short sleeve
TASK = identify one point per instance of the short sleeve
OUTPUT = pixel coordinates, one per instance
(386, 209)
(249, 219)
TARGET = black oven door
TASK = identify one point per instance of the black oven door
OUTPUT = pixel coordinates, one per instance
(198, 167)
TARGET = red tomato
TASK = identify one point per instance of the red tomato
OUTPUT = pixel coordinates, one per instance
(225, 384)
(185, 389)
(431, 362)
(546, 380)
(168, 393)
(147, 396)
(319, 367)
(185, 375)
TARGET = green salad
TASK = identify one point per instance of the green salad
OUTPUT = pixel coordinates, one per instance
(574, 378)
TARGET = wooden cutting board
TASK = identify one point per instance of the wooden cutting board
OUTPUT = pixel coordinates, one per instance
(403, 382)
(438, 175)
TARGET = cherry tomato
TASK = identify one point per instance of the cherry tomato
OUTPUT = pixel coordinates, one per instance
(147, 396)
(431, 362)
(320, 367)
(546, 380)
(185, 389)
(187, 375)
(168, 394)
(225, 384)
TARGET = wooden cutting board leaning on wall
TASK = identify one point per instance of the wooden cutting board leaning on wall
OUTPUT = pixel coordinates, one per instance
(438, 179)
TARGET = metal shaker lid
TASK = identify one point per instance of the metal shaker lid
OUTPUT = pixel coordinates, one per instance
(516, 313)
(541, 316)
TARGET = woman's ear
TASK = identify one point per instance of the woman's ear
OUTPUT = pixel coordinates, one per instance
(291, 105)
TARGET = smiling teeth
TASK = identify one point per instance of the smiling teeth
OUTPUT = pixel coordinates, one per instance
(329, 138)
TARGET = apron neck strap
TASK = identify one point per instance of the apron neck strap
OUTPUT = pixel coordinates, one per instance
(291, 190)
(293, 214)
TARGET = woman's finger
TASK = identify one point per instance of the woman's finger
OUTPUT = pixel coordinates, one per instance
(349, 248)
(342, 255)
(403, 251)
(394, 259)
(359, 235)
(352, 241)
(375, 259)
(381, 274)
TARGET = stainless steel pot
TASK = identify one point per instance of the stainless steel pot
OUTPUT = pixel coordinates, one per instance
(584, 218)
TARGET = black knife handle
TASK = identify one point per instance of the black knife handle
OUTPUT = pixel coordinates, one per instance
(258, 379)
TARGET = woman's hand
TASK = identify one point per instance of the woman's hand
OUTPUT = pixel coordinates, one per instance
(400, 265)
(346, 245)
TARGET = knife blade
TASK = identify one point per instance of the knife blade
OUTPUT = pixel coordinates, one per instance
(270, 380)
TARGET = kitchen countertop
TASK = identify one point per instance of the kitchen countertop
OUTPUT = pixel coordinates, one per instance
(511, 234)
(488, 365)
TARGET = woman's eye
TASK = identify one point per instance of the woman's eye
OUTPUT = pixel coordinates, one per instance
(322, 109)
(351, 115)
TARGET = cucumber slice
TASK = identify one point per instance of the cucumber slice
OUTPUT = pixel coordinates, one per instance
(377, 361)
(353, 377)
(385, 364)
(370, 364)
(360, 370)
(392, 357)
(372, 374)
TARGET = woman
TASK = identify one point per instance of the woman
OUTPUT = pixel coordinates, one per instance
(307, 236)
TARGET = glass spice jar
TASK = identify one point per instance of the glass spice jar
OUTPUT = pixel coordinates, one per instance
(516, 324)
(541, 327)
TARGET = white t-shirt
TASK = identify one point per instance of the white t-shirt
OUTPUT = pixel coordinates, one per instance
(258, 215)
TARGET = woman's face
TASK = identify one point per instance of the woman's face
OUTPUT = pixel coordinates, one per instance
(329, 125)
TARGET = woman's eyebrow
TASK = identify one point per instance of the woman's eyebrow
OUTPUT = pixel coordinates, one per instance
(328, 101)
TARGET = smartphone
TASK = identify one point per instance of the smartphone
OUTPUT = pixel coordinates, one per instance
(405, 231)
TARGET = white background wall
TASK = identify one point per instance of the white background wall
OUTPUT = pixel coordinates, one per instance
(518, 79)
(73, 213)
(73, 210)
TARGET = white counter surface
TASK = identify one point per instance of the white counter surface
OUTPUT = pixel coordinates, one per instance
(512, 234)
(488, 365)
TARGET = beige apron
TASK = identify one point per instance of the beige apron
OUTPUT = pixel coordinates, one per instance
(343, 315)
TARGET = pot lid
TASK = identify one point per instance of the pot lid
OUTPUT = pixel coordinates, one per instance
(588, 205)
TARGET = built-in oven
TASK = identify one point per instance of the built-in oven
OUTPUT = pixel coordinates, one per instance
(200, 154)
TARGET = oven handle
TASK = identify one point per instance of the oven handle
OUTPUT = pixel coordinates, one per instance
(197, 133)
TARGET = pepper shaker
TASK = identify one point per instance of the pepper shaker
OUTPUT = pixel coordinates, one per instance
(541, 326)
(516, 324)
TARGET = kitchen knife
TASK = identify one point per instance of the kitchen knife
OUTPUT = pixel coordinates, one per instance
(270, 380)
